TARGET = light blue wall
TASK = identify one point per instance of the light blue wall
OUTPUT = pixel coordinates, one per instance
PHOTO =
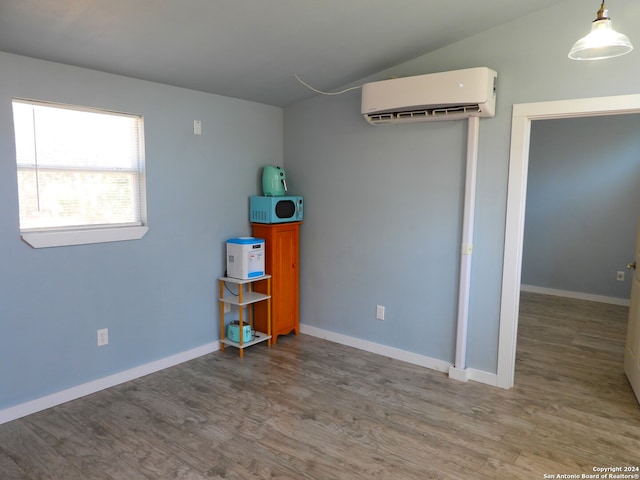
(157, 295)
(582, 204)
(383, 204)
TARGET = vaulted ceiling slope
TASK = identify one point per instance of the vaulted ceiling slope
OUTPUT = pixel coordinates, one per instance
(248, 49)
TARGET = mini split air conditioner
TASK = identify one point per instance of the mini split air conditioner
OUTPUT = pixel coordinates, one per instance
(437, 96)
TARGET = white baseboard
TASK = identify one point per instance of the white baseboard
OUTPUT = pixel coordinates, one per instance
(63, 396)
(481, 376)
(42, 403)
(459, 374)
(577, 295)
(396, 353)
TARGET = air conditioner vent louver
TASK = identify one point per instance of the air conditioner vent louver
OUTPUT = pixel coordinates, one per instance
(383, 117)
(436, 96)
(461, 109)
(413, 114)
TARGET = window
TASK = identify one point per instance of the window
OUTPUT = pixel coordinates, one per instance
(80, 174)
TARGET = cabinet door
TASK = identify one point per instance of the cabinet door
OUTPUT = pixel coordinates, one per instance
(285, 267)
(281, 262)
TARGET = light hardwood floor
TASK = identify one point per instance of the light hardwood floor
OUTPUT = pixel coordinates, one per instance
(310, 409)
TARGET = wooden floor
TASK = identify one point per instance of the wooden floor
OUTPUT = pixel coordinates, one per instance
(310, 409)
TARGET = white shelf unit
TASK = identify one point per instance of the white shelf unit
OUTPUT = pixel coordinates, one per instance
(244, 299)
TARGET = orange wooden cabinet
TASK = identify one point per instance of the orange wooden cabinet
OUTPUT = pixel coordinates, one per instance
(282, 254)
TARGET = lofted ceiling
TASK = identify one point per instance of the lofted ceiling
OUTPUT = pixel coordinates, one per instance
(249, 49)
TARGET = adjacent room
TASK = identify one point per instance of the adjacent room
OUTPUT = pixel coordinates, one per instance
(455, 300)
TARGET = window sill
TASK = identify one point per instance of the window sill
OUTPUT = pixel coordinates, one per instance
(83, 237)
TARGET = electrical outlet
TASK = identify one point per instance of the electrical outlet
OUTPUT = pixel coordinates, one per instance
(197, 127)
(103, 337)
(379, 312)
(227, 307)
(620, 276)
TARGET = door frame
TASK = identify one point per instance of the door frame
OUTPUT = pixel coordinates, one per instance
(522, 116)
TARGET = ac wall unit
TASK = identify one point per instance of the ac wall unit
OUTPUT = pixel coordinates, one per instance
(437, 96)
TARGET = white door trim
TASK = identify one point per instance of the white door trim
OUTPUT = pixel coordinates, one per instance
(522, 116)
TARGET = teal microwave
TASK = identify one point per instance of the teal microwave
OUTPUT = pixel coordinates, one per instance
(288, 208)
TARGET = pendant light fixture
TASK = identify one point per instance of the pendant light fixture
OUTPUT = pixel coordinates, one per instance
(602, 42)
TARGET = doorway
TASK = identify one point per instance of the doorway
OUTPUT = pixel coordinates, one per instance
(523, 115)
(581, 207)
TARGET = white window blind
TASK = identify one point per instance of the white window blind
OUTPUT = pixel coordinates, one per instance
(78, 168)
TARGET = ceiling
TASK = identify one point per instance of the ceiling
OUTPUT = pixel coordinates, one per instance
(248, 49)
